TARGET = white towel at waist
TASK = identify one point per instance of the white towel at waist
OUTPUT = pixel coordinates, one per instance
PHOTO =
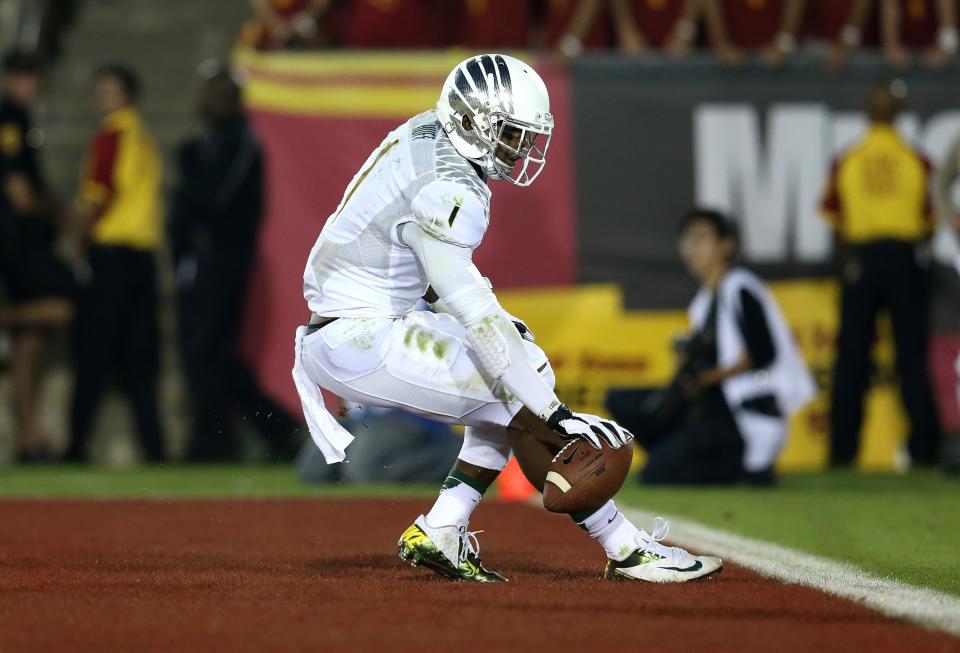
(330, 437)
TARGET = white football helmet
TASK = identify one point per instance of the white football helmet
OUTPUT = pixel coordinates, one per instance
(508, 110)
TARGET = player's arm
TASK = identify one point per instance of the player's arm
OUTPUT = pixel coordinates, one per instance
(444, 247)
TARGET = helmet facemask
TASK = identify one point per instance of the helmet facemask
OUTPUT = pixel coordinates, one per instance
(518, 150)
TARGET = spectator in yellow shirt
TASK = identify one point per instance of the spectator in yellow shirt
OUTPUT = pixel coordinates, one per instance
(878, 202)
(120, 217)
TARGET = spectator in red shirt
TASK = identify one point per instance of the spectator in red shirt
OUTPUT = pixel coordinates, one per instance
(774, 27)
(668, 25)
(929, 25)
(396, 24)
(751, 24)
(723, 47)
(842, 23)
(571, 26)
(493, 24)
(35, 282)
(784, 42)
(288, 24)
(838, 22)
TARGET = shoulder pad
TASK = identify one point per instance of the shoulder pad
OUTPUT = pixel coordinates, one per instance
(451, 212)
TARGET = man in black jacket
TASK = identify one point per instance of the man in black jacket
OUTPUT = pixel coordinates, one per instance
(37, 284)
(214, 220)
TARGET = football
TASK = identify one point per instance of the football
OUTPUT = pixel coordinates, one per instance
(583, 478)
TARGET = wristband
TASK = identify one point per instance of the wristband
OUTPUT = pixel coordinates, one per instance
(684, 30)
(571, 46)
(947, 40)
(555, 413)
(785, 42)
(850, 36)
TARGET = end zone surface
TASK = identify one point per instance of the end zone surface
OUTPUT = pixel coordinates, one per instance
(292, 575)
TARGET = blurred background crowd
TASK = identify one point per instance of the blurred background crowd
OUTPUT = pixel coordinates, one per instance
(731, 30)
(140, 168)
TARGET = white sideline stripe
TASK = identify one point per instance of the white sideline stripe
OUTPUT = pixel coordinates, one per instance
(891, 597)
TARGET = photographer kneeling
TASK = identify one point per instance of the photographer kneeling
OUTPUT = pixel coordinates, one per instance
(724, 417)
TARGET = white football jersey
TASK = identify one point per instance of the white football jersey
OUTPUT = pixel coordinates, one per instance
(359, 267)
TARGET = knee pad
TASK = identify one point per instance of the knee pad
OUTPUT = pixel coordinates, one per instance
(485, 446)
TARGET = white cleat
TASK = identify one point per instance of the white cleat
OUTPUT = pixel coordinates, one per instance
(655, 563)
(451, 551)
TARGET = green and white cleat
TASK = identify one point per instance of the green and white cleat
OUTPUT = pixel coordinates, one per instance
(655, 563)
(437, 547)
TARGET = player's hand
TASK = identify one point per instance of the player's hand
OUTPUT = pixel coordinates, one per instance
(589, 427)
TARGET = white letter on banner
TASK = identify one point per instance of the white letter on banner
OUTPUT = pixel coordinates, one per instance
(776, 196)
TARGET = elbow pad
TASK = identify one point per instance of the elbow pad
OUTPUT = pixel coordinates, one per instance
(478, 310)
(498, 345)
(488, 342)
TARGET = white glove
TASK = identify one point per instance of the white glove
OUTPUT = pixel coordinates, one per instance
(590, 427)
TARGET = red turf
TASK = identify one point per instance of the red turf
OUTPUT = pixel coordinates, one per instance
(318, 575)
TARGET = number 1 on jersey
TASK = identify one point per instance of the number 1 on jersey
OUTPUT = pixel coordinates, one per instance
(457, 203)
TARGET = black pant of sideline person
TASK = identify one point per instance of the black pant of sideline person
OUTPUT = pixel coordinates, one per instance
(883, 274)
(222, 386)
(116, 331)
(689, 443)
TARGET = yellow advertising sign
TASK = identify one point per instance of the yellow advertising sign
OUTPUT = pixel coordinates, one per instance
(595, 345)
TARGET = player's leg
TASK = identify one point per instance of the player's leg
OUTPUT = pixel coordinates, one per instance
(26, 363)
(428, 369)
(439, 539)
(138, 352)
(860, 300)
(632, 553)
(32, 323)
(484, 454)
(423, 365)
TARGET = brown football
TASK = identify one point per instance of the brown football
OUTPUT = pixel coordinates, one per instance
(583, 478)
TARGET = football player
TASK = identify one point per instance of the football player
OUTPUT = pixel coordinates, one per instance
(406, 228)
